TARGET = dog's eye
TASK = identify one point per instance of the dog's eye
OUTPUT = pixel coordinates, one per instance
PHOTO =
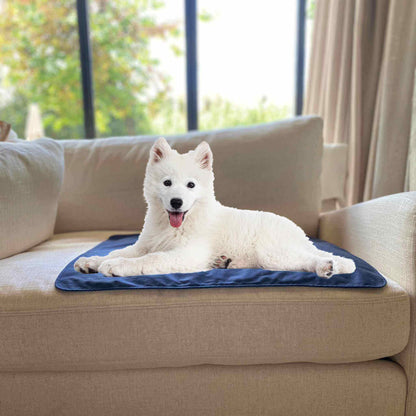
(190, 185)
(167, 182)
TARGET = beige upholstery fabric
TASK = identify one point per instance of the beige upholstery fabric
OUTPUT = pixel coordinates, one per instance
(272, 167)
(376, 388)
(383, 232)
(30, 180)
(411, 161)
(46, 329)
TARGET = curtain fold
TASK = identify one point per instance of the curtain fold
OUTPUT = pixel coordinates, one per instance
(411, 163)
(360, 80)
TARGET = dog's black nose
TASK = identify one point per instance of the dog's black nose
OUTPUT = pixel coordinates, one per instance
(176, 203)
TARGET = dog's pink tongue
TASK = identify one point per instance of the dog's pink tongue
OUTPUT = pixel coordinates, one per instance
(176, 219)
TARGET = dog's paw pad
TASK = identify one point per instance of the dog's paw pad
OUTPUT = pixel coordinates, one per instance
(221, 262)
(325, 268)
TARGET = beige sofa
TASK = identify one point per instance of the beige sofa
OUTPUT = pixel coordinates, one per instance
(244, 351)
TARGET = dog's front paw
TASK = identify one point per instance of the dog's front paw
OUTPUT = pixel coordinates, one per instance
(120, 267)
(114, 267)
(88, 264)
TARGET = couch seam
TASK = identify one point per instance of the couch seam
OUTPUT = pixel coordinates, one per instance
(398, 299)
(110, 362)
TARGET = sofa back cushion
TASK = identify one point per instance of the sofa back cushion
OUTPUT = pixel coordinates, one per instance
(271, 167)
(31, 175)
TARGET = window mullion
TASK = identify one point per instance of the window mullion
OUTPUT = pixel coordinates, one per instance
(86, 68)
(300, 55)
(191, 63)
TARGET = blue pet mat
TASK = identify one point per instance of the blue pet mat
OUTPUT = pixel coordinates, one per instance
(365, 275)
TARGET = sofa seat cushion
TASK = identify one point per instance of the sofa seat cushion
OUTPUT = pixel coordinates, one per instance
(376, 388)
(42, 328)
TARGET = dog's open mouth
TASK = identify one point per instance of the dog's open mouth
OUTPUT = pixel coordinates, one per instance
(176, 218)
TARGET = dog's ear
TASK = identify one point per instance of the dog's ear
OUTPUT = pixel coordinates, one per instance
(203, 155)
(159, 150)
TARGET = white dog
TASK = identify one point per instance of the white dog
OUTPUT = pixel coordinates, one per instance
(187, 230)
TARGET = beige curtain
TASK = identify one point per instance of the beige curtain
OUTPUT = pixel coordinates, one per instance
(411, 164)
(360, 80)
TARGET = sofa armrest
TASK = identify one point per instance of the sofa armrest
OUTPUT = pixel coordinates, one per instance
(383, 232)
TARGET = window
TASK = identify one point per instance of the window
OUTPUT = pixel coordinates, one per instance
(148, 66)
(138, 66)
(246, 62)
(40, 66)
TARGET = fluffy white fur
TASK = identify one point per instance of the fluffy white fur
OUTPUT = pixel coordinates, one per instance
(210, 234)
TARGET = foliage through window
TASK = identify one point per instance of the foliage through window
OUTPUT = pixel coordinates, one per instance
(40, 64)
(137, 51)
(246, 64)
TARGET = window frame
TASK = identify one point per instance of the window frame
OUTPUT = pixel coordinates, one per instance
(86, 68)
(191, 17)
